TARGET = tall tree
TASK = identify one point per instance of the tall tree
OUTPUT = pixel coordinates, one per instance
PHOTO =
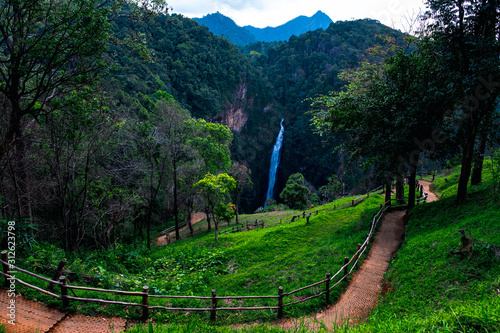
(467, 42)
(215, 189)
(243, 181)
(388, 115)
(47, 49)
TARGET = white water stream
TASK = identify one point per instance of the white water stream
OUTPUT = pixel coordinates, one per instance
(275, 161)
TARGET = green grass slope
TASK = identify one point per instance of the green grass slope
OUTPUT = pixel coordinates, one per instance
(250, 263)
(434, 290)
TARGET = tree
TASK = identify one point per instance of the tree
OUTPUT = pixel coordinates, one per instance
(296, 194)
(466, 35)
(214, 189)
(212, 142)
(331, 190)
(47, 49)
(388, 116)
(243, 181)
(171, 121)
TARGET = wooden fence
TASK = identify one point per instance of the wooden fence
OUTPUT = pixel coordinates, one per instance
(264, 224)
(423, 194)
(329, 283)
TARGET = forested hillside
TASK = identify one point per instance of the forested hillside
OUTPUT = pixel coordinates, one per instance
(307, 66)
(208, 76)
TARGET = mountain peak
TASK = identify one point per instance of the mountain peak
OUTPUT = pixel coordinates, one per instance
(222, 25)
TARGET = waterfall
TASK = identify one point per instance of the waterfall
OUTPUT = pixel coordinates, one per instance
(275, 160)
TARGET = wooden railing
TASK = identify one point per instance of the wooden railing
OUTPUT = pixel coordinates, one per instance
(264, 224)
(330, 282)
(423, 194)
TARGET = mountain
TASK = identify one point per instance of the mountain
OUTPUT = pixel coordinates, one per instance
(297, 26)
(221, 25)
(252, 91)
(224, 26)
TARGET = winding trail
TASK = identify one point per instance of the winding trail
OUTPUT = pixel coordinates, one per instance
(195, 218)
(363, 292)
(354, 305)
(431, 196)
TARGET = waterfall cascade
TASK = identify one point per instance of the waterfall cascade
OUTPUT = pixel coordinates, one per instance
(275, 160)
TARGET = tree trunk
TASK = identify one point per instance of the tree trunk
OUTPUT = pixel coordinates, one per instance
(400, 190)
(216, 224)
(467, 157)
(388, 193)
(236, 211)
(176, 208)
(190, 225)
(207, 211)
(411, 193)
(412, 180)
(478, 162)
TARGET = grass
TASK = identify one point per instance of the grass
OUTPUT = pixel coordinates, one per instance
(429, 288)
(256, 262)
(433, 290)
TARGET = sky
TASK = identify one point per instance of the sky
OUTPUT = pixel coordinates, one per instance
(263, 13)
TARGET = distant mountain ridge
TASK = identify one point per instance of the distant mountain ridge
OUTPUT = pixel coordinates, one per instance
(222, 25)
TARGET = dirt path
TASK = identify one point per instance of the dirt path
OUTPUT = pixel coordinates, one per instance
(33, 317)
(362, 294)
(431, 196)
(354, 305)
(195, 218)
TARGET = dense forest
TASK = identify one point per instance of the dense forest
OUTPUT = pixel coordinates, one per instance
(119, 120)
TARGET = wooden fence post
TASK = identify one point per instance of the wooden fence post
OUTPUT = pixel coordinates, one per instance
(213, 312)
(145, 303)
(346, 268)
(353, 202)
(357, 253)
(64, 291)
(58, 273)
(280, 302)
(327, 288)
(5, 266)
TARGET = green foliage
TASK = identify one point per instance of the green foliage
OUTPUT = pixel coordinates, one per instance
(18, 235)
(212, 140)
(434, 290)
(307, 66)
(250, 263)
(295, 194)
(331, 190)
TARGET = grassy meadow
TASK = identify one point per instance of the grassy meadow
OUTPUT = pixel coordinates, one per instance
(250, 263)
(433, 284)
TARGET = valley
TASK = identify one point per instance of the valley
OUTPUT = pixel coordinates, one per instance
(191, 175)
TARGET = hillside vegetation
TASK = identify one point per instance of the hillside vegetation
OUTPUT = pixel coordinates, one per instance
(255, 262)
(427, 288)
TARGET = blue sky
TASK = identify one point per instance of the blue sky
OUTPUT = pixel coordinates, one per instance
(262, 13)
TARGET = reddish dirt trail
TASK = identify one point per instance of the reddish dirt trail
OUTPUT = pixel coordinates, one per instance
(33, 317)
(354, 305)
(431, 196)
(362, 294)
(195, 218)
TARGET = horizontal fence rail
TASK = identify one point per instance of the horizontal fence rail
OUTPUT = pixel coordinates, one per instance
(264, 224)
(330, 282)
